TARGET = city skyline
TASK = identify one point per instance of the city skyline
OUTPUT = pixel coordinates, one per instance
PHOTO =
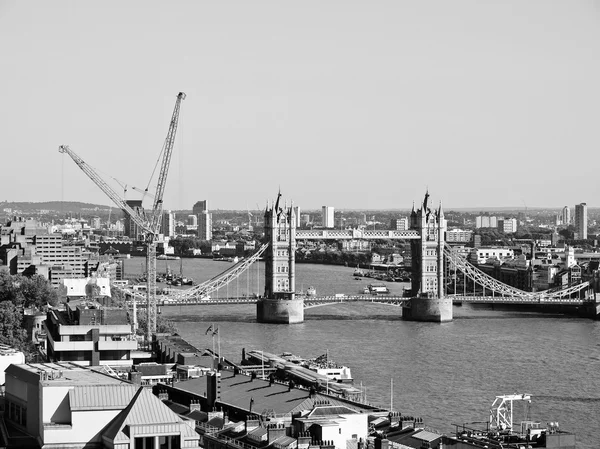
(357, 105)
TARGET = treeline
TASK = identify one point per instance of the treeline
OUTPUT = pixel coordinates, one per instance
(18, 293)
(333, 258)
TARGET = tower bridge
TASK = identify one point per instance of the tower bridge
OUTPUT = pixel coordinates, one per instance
(427, 300)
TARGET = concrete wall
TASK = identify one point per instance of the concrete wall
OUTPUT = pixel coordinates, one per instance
(283, 311)
(428, 309)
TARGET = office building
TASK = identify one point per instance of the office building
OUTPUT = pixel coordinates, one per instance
(200, 209)
(132, 230)
(581, 221)
(328, 216)
(566, 215)
(64, 405)
(168, 224)
(205, 226)
(90, 335)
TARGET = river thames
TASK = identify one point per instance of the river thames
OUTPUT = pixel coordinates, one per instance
(446, 373)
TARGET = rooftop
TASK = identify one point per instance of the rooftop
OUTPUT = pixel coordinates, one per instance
(63, 373)
(239, 390)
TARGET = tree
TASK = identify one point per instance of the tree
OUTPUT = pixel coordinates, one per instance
(11, 326)
(162, 324)
(38, 292)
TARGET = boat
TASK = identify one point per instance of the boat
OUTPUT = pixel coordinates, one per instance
(165, 257)
(358, 272)
(376, 289)
(311, 291)
(500, 431)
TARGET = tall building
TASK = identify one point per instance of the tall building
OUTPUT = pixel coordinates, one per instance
(328, 220)
(168, 224)
(132, 230)
(205, 226)
(200, 209)
(581, 221)
(566, 215)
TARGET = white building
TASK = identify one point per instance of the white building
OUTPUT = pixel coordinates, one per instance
(168, 224)
(458, 235)
(482, 254)
(400, 224)
(485, 221)
(205, 226)
(507, 225)
(328, 220)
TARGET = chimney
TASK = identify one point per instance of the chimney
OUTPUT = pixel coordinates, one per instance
(213, 389)
(275, 430)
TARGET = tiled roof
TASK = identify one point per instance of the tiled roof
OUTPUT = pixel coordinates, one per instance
(144, 409)
(259, 432)
(426, 435)
(101, 397)
(330, 410)
(284, 441)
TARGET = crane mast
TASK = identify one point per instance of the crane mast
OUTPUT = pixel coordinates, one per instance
(150, 225)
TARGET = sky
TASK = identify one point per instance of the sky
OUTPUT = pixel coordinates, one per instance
(351, 104)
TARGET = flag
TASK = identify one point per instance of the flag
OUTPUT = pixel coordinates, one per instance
(210, 328)
(216, 331)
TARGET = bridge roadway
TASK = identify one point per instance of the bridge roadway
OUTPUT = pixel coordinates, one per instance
(519, 300)
(310, 301)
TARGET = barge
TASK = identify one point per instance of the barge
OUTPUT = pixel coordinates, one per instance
(319, 373)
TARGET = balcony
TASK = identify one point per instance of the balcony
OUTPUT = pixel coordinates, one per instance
(123, 345)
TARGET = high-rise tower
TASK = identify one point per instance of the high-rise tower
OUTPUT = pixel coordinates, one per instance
(200, 209)
(566, 215)
(328, 216)
(581, 221)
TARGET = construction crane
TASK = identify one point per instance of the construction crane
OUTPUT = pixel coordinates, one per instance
(148, 223)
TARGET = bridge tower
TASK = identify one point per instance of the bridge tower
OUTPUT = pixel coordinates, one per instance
(428, 301)
(279, 304)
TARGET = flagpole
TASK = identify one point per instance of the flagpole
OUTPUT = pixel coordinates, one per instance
(219, 343)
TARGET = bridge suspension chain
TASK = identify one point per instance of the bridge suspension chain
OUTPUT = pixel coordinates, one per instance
(488, 282)
(202, 290)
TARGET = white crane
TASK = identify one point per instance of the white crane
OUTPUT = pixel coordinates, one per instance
(501, 413)
(149, 224)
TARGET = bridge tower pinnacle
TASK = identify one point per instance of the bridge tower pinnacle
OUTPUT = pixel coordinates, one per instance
(279, 304)
(428, 287)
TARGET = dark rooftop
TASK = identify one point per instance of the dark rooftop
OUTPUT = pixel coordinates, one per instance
(238, 390)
